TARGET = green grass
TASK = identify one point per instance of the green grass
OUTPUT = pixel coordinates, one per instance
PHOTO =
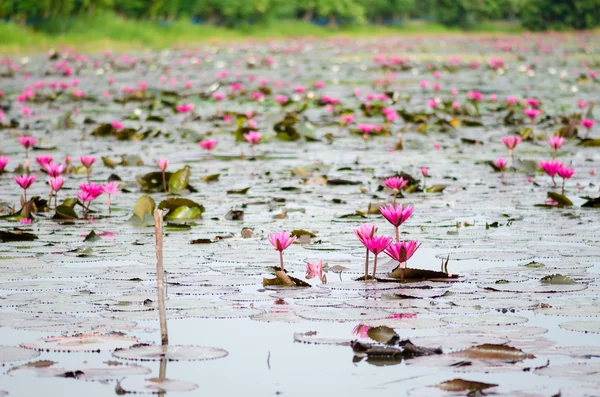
(107, 31)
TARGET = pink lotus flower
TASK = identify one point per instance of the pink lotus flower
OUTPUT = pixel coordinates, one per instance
(25, 181)
(162, 164)
(396, 214)
(493, 98)
(432, 103)
(218, 96)
(556, 142)
(299, 90)
(424, 84)
(281, 240)
(361, 330)
(551, 168)
(475, 95)
(403, 251)
(25, 221)
(424, 171)
(281, 99)
(185, 108)
(532, 113)
(582, 104)
(253, 137)
(53, 169)
(111, 189)
(396, 183)
(87, 161)
(511, 100)
(365, 232)
(532, 102)
(56, 183)
(565, 173)
(437, 145)
(257, 96)
(315, 270)
(587, 124)
(27, 141)
(3, 161)
(117, 125)
(208, 144)
(320, 84)
(376, 245)
(43, 160)
(501, 163)
(511, 143)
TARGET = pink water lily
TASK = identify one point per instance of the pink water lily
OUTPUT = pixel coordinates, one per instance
(582, 104)
(53, 169)
(587, 124)
(532, 114)
(25, 181)
(253, 137)
(162, 165)
(281, 99)
(88, 193)
(551, 168)
(117, 125)
(111, 189)
(376, 245)
(27, 142)
(511, 100)
(396, 215)
(281, 241)
(208, 145)
(425, 173)
(87, 162)
(511, 143)
(402, 252)
(396, 183)
(346, 119)
(56, 183)
(565, 173)
(365, 232)
(501, 164)
(315, 270)
(556, 142)
(3, 161)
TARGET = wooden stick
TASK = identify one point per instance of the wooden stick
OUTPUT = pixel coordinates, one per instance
(160, 276)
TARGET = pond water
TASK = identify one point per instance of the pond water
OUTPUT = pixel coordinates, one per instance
(71, 307)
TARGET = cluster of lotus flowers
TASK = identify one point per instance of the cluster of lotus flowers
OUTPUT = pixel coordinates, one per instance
(400, 251)
(87, 193)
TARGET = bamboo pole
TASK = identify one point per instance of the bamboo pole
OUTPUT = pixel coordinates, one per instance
(160, 277)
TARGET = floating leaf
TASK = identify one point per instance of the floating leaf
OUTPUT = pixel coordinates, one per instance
(153, 181)
(562, 200)
(91, 237)
(211, 178)
(436, 189)
(14, 353)
(184, 213)
(16, 235)
(383, 334)
(557, 279)
(241, 191)
(494, 352)
(301, 232)
(459, 385)
(179, 180)
(144, 205)
(171, 353)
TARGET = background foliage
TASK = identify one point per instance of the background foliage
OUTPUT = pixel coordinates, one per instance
(56, 16)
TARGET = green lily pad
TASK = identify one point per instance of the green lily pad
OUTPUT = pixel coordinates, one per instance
(144, 205)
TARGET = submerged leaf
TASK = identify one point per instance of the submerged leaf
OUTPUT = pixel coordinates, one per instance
(383, 334)
(17, 235)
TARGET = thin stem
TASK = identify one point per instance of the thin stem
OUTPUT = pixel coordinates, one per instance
(367, 266)
(25, 195)
(109, 210)
(252, 150)
(27, 160)
(55, 200)
(395, 194)
(424, 184)
(281, 260)
(160, 277)
(554, 154)
(88, 174)
(553, 180)
(374, 267)
(563, 187)
(164, 181)
(397, 235)
(50, 198)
